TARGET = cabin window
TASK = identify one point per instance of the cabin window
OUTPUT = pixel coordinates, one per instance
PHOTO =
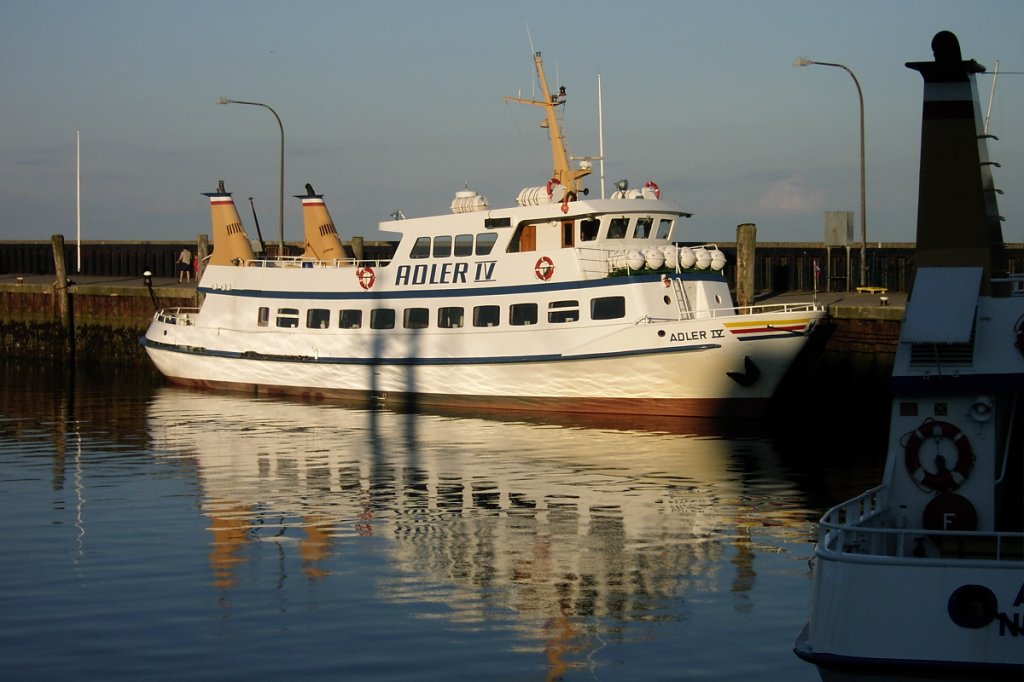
(263, 316)
(664, 229)
(416, 318)
(588, 229)
(643, 228)
(568, 240)
(382, 318)
(522, 313)
(485, 242)
(450, 318)
(617, 228)
(608, 308)
(442, 247)
(287, 317)
(463, 245)
(486, 316)
(563, 311)
(318, 318)
(420, 249)
(351, 318)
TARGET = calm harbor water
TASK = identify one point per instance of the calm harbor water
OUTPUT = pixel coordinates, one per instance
(154, 532)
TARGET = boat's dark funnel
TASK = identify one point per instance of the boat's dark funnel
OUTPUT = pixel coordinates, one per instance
(958, 221)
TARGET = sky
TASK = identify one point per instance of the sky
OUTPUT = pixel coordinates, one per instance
(397, 105)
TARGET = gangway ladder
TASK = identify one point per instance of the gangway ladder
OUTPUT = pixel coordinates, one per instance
(681, 301)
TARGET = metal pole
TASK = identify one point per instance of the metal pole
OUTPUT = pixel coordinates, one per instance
(863, 198)
(280, 212)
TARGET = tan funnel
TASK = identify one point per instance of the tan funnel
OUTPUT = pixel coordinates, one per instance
(321, 239)
(230, 242)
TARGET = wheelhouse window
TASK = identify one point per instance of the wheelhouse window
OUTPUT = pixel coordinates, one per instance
(486, 316)
(287, 317)
(520, 314)
(318, 318)
(416, 318)
(263, 317)
(485, 242)
(608, 308)
(664, 229)
(442, 247)
(382, 318)
(351, 318)
(421, 248)
(450, 317)
(563, 311)
(643, 228)
(588, 229)
(463, 245)
(617, 228)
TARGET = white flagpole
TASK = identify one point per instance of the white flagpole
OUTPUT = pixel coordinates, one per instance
(78, 197)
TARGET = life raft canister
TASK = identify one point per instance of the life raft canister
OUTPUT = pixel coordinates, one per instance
(544, 268)
(944, 478)
(366, 277)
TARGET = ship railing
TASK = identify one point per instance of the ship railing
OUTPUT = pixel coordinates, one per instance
(864, 529)
(1016, 282)
(181, 316)
(300, 262)
(715, 313)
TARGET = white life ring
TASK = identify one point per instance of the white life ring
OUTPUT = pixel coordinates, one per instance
(544, 268)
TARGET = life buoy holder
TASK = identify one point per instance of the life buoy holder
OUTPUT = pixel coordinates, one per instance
(544, 268)
(653, 186)
(945, 478)
(366, 277)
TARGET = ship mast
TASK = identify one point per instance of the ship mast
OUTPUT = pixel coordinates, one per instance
(561, 171)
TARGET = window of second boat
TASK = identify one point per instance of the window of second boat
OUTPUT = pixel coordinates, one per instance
(664, 228)
(642, 230)
(617, 227)
(563, 311)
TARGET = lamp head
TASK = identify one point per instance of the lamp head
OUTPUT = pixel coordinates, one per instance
(802, 61)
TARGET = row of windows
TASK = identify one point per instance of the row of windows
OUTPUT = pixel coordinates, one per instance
(462, 245)
(524, 239)
(447, 317)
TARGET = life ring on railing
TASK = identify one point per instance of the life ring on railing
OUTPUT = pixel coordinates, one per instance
(551, 183)
(366, 277)
(945, 478)
(653, 186)
(544, 268)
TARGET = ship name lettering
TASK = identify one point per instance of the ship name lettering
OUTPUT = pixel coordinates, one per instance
(698, 335)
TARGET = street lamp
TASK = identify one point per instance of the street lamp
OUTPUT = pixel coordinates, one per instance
(280, 213)
(803, 61)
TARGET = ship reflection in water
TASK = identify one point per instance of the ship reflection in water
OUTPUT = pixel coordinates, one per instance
(563, 525)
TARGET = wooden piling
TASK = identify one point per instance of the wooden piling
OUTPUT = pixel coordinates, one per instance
(746, 239)
(63, 295)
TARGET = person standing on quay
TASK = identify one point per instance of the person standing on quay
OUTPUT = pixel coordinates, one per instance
(185, 265)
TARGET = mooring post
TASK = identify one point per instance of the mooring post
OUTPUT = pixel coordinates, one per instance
(61, 291)
(746, 239)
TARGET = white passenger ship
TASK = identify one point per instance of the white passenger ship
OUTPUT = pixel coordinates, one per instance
(560, 303)
(922, 577)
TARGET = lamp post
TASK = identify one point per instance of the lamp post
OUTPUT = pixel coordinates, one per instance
(280, 212)
(803, 61)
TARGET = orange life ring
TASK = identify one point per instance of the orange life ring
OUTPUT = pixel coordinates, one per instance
(544, 268)
(366, 277)
(947, 478)
(552, 182)
(652, 185)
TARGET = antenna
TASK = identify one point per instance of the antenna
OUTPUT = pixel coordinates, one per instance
(991, 94)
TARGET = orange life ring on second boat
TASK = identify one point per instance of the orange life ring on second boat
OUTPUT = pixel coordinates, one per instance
(653, 186)
(551, 183)
(366, 277)
(544, 268)
(946, 478)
